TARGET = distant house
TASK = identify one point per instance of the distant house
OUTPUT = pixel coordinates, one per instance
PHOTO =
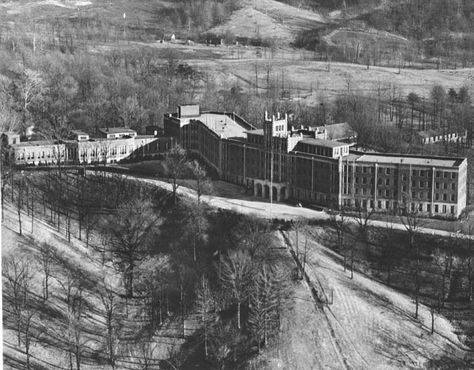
(79, 135)
(116, 132)
(432, 136)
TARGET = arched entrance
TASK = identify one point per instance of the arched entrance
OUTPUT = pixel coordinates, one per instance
(275, 194)
(283, 193)
(266, 191)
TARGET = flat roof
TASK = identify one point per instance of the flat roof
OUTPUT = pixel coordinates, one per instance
(431, 133)
(79, 132)
(411, 160)
(323, 143)
(255, 132)
(38, 143)
(115, 130)
(222, 125)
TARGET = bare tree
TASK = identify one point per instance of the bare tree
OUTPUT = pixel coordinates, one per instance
(31, 88)
(112, 306)
(205, 304)
(72, 286)
(46, 261)
(203, 184)
(444, 260)
(412, 221)
(340, 223)
(18, 277)
(175, 166)
(129, 232)
(265, 303)
(236, 277)
(469, 260)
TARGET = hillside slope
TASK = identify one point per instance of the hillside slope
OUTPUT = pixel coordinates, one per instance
(369, 325)
(266, 19)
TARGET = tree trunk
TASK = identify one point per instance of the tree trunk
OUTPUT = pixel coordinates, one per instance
(238, 315)
(19, 219)
(352, 262)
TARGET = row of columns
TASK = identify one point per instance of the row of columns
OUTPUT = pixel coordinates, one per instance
(262, 188)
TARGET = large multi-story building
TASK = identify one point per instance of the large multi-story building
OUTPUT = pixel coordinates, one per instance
(280, 162)
(113, 145)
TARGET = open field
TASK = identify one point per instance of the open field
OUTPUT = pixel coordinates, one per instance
(293, 70)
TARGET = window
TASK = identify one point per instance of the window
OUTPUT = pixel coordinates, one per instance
(364, 203)
(445, 186)
(453, 186)
(357, 190)
(422, 173)
(413, 195)
(428, 208)
(364, 191)
(422, 184)
(414, 172)
(387, 204)
(436, 208)
(413, 183)
(444, 208)
(453, 198)
(438, 174)
(387, 193)
(453, 175)
(445, 175)
(357, 180)
(420, 207)
(404, 177)
(371, 203)
(379, 181)
(379, 204)
(437, 196)
(404, 188)
(387, 182)
(364, 170)
(364, 180)
(445, 197)
(387, 171)
(437, 185)
(452, 210)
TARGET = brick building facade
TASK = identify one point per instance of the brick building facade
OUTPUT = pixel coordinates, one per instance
(280, 162)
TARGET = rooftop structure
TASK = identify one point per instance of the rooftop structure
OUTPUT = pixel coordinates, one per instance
(433, 136)
(411, 160)
(116, 132)
(79, 135)
(224, 125)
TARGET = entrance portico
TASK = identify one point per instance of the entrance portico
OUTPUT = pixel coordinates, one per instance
(262, 188)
